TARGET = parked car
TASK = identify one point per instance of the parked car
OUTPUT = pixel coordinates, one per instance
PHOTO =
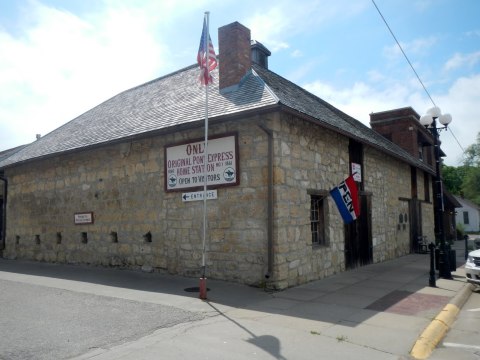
(472, 267)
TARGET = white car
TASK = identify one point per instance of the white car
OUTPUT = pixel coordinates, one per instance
(472, 267)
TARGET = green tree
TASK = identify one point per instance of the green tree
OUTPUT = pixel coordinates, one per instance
(471, 185)
(472, 154)
(471, 182)
(453, 178)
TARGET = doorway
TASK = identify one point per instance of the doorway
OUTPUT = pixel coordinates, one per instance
(415, 210)
(358, 236)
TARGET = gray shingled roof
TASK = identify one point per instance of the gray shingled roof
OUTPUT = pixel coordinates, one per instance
(168, 101)
(297, 98)
(462, 202)
(9, 152)
(178, 99)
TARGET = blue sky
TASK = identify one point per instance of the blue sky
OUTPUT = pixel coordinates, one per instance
(61, 58)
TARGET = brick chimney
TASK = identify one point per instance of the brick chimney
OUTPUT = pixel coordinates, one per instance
(402, 127)
(234, 54)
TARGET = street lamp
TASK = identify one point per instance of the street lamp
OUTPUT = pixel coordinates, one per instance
(430, 122)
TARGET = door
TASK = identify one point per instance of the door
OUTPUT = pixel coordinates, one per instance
(415, 223)
(358, 236)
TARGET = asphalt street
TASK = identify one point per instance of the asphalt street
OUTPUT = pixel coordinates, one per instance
(39, 322)
(55, 311)
(463, 339)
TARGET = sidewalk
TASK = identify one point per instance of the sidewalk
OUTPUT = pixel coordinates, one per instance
(377, 311)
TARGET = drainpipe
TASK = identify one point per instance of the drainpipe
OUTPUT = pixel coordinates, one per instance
(4, 220)
(269, 202)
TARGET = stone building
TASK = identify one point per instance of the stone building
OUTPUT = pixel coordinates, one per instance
(114, 186)
(3, 194)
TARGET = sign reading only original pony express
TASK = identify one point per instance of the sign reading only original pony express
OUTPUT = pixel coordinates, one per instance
(185, 164)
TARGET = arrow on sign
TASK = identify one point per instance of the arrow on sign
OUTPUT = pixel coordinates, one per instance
(195, 196)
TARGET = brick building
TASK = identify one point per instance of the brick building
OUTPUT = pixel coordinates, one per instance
(111, 187)
(402, 127)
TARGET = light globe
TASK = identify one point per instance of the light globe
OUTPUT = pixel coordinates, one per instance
(445, 119)
(426, 120)
(434, 111)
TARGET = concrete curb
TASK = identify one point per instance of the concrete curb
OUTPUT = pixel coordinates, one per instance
(437, 329)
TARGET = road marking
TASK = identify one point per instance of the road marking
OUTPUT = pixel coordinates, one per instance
(462, 346)
(474, 309)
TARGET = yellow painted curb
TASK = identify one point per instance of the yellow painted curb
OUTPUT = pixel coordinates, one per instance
(434, 332)
(437, 329)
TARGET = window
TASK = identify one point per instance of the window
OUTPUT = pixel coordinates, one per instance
(465, 218)
(317, 219)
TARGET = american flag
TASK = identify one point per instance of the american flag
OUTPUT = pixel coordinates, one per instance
(205, 76)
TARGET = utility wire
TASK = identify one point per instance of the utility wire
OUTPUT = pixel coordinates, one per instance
(403, 52)
(416, 74)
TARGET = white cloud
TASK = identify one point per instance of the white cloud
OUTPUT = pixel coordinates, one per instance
(62, 65)
(423, 5)
(362, 99)
(461, 101)
(270, 25)
(416, 47)
(279, 22)
(462, 60)
(296, 54)
(473, 33)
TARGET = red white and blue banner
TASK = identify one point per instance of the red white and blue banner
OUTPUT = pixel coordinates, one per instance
(346, 198)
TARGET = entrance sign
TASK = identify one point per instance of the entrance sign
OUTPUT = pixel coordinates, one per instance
(198, 195)
(185, 168)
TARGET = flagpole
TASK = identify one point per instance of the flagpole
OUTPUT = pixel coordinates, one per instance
(203, 290)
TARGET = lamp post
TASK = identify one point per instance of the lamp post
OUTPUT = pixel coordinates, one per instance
(430, 122)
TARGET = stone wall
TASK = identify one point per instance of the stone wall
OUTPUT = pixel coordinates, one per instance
(307, 157)
(123, 185)
(388, 180)
(311, 158)
(428, 212)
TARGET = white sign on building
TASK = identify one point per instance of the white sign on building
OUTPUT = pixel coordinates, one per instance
(83, 218)
(198, 195)
(357, 172)
(185, 168)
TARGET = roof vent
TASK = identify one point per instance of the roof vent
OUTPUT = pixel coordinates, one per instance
(260, 54)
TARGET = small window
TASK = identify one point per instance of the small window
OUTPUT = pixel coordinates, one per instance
(466, 220)
(317, 219)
